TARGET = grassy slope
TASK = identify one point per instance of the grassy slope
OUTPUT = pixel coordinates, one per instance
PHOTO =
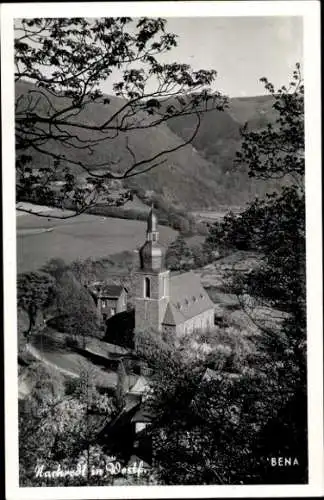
(255, 110)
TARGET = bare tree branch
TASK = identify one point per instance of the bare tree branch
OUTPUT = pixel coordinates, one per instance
(67, 60)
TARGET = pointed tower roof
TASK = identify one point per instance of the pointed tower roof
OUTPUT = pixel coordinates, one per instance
(152, 253)
(152, 221)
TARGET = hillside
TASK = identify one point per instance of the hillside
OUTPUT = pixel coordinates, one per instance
(199, 184)
(198, 176)
(219, 138)
(257, 110)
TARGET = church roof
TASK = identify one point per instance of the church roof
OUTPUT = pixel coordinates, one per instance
(152, 221)
(172, 316)
(187, 299)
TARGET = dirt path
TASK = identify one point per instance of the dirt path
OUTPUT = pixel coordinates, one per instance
(34, 352)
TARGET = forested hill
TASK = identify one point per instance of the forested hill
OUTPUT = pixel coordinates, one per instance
(197, 176)
(219, 138)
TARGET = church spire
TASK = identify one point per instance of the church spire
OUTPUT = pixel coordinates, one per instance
(151, 253)
(152, 222)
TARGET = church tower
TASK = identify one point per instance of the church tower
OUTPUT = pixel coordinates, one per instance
(152, 280)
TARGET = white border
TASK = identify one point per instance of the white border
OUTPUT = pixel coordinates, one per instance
(310, 11)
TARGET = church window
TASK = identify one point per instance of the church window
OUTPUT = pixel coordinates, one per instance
(164, 286)
(147, 287)
(153, 236)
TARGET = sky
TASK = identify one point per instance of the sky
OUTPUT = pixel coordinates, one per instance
(240, 49)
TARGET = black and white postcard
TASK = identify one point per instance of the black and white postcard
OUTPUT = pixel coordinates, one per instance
(162, 249)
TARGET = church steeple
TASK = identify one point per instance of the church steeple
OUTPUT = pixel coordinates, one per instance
(152, 220)
(152, 253)
(152, 280)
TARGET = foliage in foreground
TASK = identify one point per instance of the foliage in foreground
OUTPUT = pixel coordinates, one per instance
(275, 227)
(58, 423)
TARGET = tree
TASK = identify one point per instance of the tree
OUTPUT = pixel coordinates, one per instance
(35, 292)
(122, 386)
(120, 329)
(89, 270)
(57, 426)
(75, 312)
(179, 256)
(222, 430)
(56, 267)
(278, 150)
(218, 429)
(200, 255)
(66, 60)
(275, 227)
(151, 348)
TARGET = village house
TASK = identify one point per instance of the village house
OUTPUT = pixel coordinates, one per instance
(110, 298)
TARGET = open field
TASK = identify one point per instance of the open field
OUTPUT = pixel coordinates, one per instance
(42, 238)
(215, 215)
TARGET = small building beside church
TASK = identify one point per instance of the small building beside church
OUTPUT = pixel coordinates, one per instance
(172, 304)
(110, 298)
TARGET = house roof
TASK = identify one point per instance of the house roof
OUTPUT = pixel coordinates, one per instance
(108, 290)
(134, 459)
(143, 415)
(211, 375)
(131, 401)
(187, 299)
(140, 387)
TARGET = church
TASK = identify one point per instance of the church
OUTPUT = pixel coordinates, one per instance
(172, 304)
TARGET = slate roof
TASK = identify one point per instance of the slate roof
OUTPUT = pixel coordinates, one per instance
(187, 299)
(108, 290)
